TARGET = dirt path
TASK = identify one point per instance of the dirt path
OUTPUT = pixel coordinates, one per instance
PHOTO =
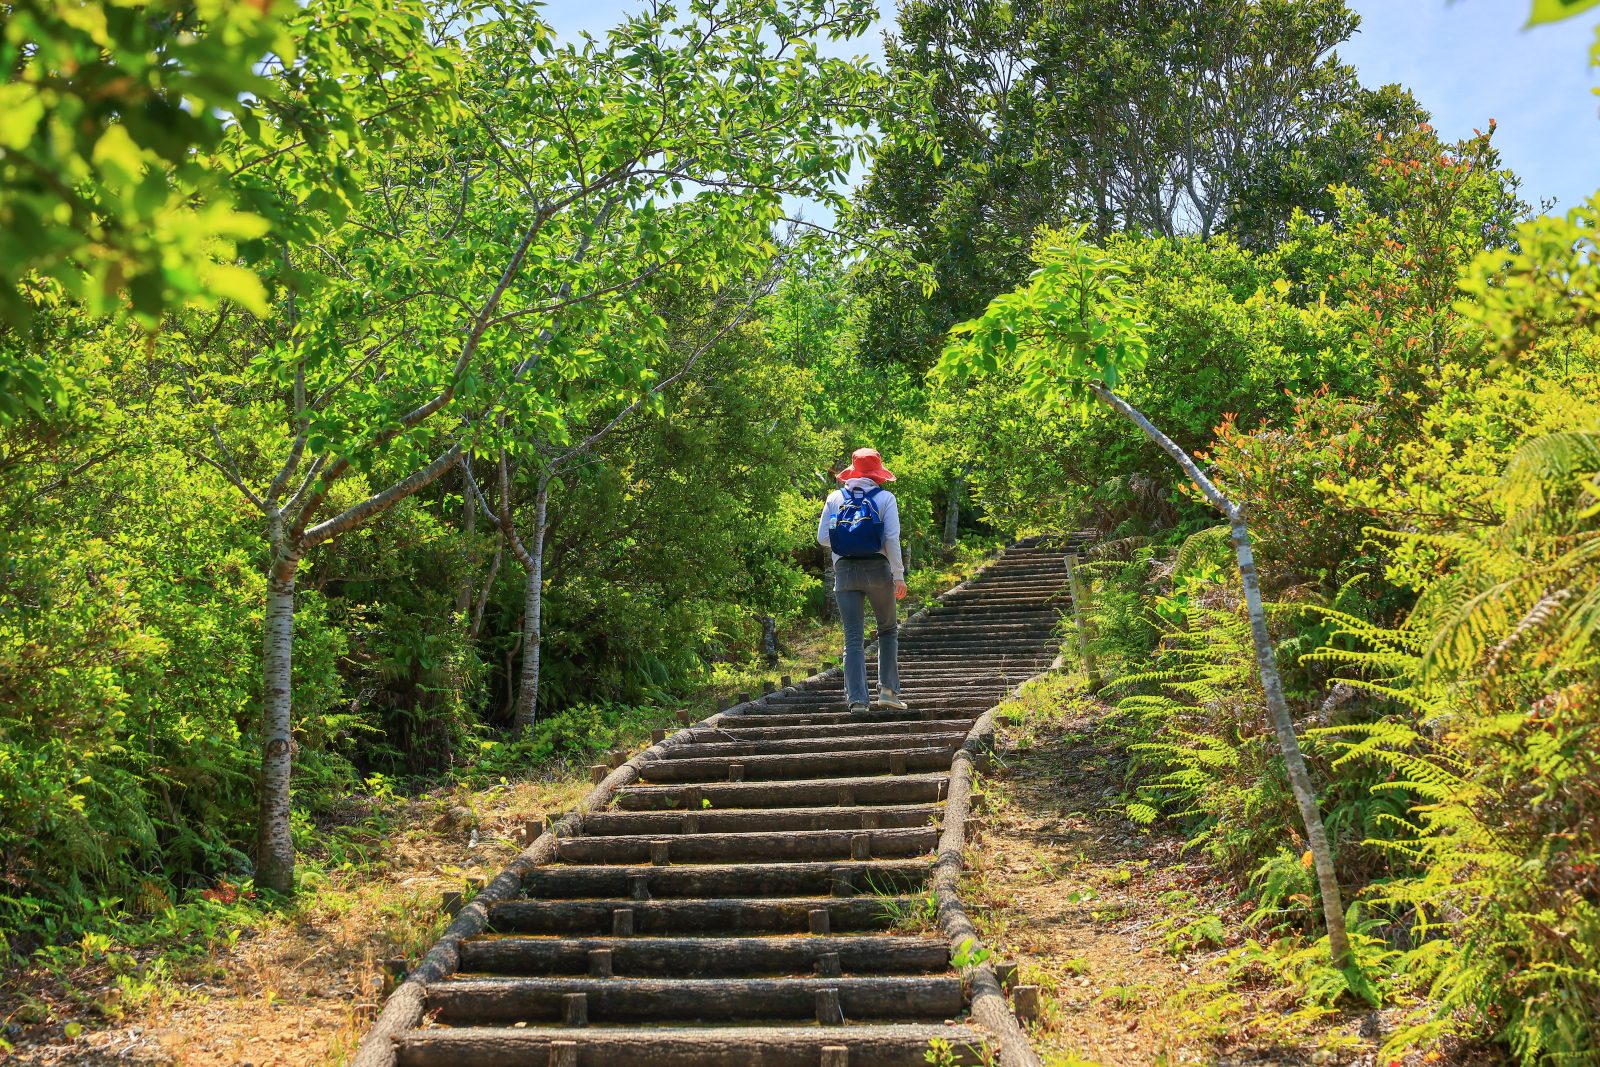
(292, 988)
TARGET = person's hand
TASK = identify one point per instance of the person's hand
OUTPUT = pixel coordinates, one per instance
(899, 590)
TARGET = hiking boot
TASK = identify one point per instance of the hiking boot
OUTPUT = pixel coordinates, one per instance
(858, 709)
(888, 698)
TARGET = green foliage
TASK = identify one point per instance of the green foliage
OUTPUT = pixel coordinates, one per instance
(1227, 331)
(103, 105)
(1556, 10)
(1204, 750)
(1159, 119)
(1459, 458)
(1322, 985)
(157, 154)
(127, 639)
(270, 270)
(1074, 323)
(1495, 670)
(272, 379)
(1279, 474)
(1539, 296)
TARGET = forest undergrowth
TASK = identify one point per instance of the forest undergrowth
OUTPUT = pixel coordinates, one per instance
(1144, 951)
(228, 977)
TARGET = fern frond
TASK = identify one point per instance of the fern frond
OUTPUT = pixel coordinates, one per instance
(1211, 543)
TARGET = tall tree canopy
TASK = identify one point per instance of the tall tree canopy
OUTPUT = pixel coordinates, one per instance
(1163, 117)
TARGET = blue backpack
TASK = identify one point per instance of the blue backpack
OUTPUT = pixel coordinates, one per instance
(856, 531)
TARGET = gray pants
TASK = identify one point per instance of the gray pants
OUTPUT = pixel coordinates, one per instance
(856, 582)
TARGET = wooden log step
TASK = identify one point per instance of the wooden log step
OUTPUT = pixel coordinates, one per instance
(785, 709)
(945, 608)
(941, 616)
(1009, 601)
(721, 880)
(751, 820)
(823, 740)
(1047, 577)
(959, 674)
(994, 663)
(475, 1001)
(966, 687)
(704, 957)
(826, 710)
(971, 647)
(1005, 674)
(984, 624)
(749, 847)
(773, 915)
(1016, 585)
(993, 653)
(795, 793)
(880, 1045)
(835, 729)
(978, 643)
(974, 667)
(805, 765)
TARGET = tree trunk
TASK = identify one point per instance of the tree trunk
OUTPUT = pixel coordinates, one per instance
(469, 527)
(1272, 685)
(533, 607)
(1294, 762)
(952, 516)
(476, 625)
(1083, 623)
(769, 640)
(274, 844)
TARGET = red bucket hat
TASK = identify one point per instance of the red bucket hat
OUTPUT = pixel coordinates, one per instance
(866, 463)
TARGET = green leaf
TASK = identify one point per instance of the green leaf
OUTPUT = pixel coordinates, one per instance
(1556, 10)
(21, 109)
(225, 281)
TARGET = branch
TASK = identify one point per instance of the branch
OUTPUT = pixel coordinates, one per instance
(63, 479)
(504, 520)
(477, 493)
(232, 477)
(666, 383)
(377, 503)
(476, 625)
(564, 291)
(305, 483)
(292, 462)
(412, 418)
(1170, 447)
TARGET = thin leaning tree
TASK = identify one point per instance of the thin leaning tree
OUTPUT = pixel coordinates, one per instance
(1069, 335)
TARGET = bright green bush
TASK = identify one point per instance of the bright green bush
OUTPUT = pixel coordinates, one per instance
(128, 639)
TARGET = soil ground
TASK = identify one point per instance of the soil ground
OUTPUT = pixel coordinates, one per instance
(1133, 941)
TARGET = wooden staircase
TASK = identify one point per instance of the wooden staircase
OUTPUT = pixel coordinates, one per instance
(743, 901)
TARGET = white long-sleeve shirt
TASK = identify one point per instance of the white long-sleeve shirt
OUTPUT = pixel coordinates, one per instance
(888, 508)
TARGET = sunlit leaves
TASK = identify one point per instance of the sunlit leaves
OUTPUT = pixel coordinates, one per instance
(1556, 10)
(1540, 288)
(1073, 323)
(151, 148)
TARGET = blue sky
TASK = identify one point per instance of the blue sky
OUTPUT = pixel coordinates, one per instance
(1467, 62)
